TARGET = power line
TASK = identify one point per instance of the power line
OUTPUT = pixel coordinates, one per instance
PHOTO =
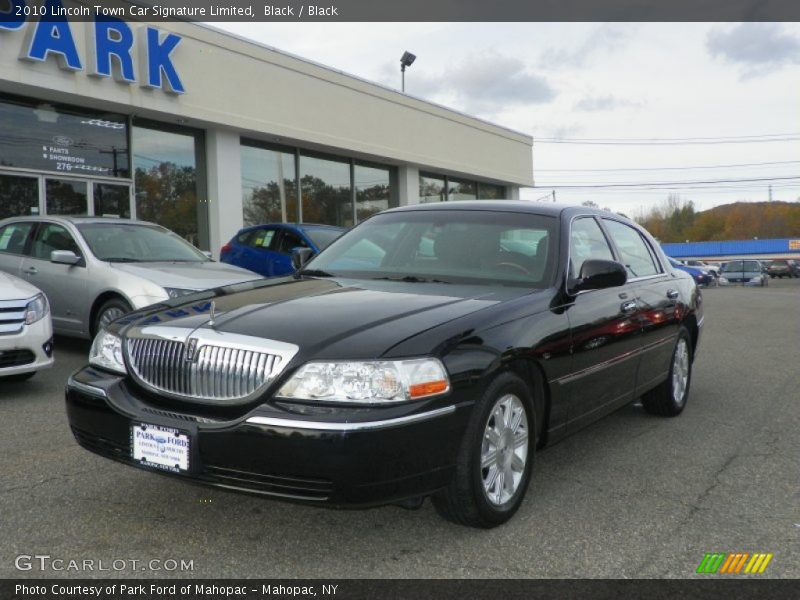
(663, 183)
(747, 139)
(687, 168)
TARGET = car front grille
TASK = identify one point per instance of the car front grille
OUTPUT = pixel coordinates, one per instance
(12, 316)
(221, 370)
(16, 358)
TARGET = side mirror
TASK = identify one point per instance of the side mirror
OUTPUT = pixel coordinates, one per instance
(64, 257)
(599, 274)
(300, 256)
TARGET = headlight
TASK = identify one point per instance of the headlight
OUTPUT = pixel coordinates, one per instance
(755, 279)
(36, 310)
(368, 382)
(723, 279)
(106, 352)
(178, 292)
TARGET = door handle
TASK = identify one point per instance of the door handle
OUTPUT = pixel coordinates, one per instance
(31, 271)
(673, 294)
(628, 307)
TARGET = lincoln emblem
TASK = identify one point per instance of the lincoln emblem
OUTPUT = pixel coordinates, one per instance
(191, 349)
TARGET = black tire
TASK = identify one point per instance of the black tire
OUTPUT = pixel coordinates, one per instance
(19, 377)
(112, 306)
(662, 400)
(466, 501)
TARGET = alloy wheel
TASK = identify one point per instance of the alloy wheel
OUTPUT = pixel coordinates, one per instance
(504, 451)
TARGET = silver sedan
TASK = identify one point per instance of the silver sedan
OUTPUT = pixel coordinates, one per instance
(93, 270)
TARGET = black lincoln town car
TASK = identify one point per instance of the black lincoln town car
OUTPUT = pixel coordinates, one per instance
(429, 351)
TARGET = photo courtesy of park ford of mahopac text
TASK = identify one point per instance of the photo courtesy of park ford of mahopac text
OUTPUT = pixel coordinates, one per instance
(360, 299)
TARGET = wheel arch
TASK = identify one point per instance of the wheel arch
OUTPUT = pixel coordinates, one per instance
(533, 375)
(98, 302)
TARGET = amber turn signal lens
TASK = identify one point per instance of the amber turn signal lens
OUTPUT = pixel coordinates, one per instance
(429, 388)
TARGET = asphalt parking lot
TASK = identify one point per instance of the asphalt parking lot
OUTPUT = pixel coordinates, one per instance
(631, 496)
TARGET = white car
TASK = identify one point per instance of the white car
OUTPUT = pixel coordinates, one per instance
(26, 331)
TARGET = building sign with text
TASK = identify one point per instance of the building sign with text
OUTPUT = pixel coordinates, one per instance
(141, 55)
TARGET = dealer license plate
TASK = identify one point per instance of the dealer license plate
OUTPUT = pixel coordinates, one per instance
(161, 447)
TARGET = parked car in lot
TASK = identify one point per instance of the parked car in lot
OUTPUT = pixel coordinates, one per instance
(417, 355)
(93, 270)
(26, 332)
(712, 269)
(701, 276)
(748, 272)
(782, 268)
(267, 249)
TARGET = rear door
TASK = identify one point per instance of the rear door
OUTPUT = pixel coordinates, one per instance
(257, 253)
(658, 299)
(606, 334)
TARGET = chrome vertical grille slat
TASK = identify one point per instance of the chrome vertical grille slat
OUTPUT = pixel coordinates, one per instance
(220, 370)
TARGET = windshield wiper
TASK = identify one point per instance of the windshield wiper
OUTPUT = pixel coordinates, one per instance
(315, 273)
(410, 279)
(123, 259)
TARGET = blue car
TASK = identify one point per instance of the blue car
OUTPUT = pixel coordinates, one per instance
(700, 276)
(267, 249)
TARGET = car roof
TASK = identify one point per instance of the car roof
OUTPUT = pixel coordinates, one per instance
(523, 206)
(77, 219)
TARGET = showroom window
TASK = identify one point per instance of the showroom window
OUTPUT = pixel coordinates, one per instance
(326, 191)
(169, 178)
(458, 189)
(18, 196)
(268, 184)
(52, 137)
(489, 191)
(432, 188)
(376, 189)
(334, 190)
(440, 188)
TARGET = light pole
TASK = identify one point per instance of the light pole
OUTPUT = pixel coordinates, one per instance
(405, 61)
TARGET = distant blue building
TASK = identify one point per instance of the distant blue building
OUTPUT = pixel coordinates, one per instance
(735, 248)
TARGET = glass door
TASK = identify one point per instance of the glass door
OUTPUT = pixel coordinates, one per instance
(19, 195)
(112, 200)
(66, 196)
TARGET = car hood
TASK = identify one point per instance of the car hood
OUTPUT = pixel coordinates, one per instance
(14, 288)
(327, 318)
(190, 276)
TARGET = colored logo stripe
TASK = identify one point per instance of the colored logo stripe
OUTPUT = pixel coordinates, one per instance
(734, 563)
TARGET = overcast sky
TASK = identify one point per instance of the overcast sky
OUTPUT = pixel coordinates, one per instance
(596, 81)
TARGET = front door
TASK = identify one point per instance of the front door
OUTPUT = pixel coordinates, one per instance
(606, 335)
(64, 285)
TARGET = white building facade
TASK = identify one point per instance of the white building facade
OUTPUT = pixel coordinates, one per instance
(204, 132)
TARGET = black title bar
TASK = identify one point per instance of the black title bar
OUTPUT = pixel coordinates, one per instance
(408, 10)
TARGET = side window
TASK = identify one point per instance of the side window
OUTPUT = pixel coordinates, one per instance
(13, 237)
(587, 241)
(52, 237)
(290, 240)
(261, 238)
(634, 253)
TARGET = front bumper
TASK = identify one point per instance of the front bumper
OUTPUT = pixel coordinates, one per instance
(28, 350)
(372, 457)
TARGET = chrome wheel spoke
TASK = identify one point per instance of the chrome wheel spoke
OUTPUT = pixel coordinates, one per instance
(517, 463)
(521, 439)
(489, 458)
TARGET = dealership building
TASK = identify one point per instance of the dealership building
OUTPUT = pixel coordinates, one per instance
(205, 132)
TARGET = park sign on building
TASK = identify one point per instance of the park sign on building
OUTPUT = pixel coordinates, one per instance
(115, 49)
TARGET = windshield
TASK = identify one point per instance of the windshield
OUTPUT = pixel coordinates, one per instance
(323, 237)
(478, 247)
(130, 242)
